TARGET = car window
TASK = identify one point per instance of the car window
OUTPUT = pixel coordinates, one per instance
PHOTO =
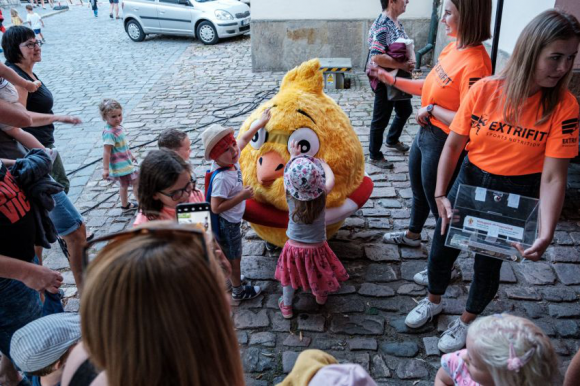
(203, 1)
(169, 1)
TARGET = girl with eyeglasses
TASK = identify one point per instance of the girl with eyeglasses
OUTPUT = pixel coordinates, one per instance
(164, 182)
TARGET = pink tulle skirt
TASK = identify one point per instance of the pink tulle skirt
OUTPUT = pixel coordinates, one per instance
(310, 267)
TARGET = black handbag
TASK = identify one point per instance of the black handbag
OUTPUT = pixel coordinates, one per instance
(394, 94)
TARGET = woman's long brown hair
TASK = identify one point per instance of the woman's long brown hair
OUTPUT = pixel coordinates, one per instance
(154, 312)
(306, 212)
(544, 29)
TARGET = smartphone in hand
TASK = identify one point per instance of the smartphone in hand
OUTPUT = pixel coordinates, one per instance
(195, 213)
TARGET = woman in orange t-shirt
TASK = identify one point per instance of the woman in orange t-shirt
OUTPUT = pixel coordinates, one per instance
(459, 66)
(521, 130)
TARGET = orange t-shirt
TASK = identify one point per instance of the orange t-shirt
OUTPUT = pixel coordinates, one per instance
(506, 150)
(456, 71)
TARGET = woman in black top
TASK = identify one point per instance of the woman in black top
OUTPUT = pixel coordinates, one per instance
(22, 52)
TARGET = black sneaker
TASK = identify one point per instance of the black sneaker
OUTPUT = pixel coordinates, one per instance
(271, 247)
(381, 163)
(249, 292)
(400, 146)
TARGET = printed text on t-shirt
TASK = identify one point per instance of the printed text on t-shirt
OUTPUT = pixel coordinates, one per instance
(13, 202)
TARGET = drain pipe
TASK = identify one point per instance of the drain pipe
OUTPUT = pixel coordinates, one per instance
(432, 35)
(496, 32)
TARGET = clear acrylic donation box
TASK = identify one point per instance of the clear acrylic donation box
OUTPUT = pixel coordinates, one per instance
(490, 222)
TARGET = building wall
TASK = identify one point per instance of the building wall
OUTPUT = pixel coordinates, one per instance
(286, 33)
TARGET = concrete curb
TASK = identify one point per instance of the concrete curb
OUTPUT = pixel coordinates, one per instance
(54, 13)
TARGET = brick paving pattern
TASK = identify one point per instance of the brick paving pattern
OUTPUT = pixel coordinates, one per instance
(177, 82)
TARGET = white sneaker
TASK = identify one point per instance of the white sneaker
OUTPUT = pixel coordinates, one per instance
(400, 238)
(422, 313)
(422, 278)
(454, 337)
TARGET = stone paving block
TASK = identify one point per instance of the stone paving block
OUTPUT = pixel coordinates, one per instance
(245, 319)
(266, 339)
(367, 344)
(410, 268)
(354, 222)
(376, 212)
(379, 368)
(258, 267)
(444, 321)
(412, 369)
(324, 343)
(406, 349)
(395, 304)
(567, 328)
(401, 214)
(412, 290)
(506, 274)
(406, 193)
(357, 324)
(563, 238)
(564, 254)
(293, 340)
(564, 310)
(522, 293)
(279, 324)
(559, 294)
(346, 251)
(253, 248)
(534, 310)
(345, 304)
(305, 302)
(72, 305)
(568, 274)
(376, 290)
(382, 252)
(381, 273)
(394, 204)
(414, 253)
(454, 306)
(311, 322)
(380, 223)
(537, 273)
(288, 360)
(383, 193)
(430, 344)
(242, 337)
(400, 327)
(257, 360)
(344, 290)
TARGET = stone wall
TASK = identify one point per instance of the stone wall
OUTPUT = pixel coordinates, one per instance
(279, 45)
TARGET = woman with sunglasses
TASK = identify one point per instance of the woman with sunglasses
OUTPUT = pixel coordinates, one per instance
(152, 312)
(165, 181)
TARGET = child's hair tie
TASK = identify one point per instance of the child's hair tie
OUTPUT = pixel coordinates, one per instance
(515, 363)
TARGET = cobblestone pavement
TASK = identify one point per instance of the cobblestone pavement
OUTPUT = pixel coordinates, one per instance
(176, 82)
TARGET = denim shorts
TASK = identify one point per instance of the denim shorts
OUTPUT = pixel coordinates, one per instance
(231, 239)
(19, 305)
(65, 217)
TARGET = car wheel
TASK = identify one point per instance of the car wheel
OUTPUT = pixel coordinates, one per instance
(207, 33)
(135, 31)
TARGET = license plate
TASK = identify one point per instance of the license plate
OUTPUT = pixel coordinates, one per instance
(245, 22)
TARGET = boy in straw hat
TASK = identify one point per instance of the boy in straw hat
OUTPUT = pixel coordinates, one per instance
(228, 196)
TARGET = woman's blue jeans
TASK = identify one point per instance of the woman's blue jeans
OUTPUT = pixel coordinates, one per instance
(486, 269)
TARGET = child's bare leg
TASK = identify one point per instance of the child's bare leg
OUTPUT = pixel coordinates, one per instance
(236, 272)
(124, 193)
(135, 184)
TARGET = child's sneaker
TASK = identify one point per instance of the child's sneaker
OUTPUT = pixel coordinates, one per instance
(248, 292)
(286, 310)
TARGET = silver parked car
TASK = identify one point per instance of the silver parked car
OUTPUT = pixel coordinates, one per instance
(207, 20)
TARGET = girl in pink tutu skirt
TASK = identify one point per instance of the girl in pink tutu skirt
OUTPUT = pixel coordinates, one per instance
(306, 260)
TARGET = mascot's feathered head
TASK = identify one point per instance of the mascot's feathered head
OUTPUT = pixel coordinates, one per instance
(303, 113)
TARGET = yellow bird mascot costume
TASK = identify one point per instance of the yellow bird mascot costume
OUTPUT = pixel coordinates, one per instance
(301, 112)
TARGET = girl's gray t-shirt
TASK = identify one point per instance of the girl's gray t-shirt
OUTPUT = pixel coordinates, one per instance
(306, 233)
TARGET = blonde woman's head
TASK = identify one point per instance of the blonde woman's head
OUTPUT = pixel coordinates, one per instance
(542, 60)
(509, 350)
(154, 312)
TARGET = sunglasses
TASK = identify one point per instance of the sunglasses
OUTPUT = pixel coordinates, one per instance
(166, 232)
(176, 195)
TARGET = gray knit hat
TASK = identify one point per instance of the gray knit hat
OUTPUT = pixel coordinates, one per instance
(44, 341)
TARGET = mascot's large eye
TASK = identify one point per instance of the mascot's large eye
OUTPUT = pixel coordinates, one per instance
(307, 140)
(259, 138)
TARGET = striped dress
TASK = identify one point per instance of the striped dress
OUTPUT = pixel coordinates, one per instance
(120, 162)
(383, 33)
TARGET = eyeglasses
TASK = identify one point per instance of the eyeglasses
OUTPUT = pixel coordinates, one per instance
(31, 45)
(176, 195)
(164, 231)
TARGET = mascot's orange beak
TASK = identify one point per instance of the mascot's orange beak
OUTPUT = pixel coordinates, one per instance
(270, 168)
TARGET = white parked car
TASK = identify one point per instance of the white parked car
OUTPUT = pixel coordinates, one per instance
(207, 20)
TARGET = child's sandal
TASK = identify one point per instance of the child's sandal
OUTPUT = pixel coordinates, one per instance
(130, 206)
(249, 292)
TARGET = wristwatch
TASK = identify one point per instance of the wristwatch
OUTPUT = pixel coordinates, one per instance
(430, 109)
